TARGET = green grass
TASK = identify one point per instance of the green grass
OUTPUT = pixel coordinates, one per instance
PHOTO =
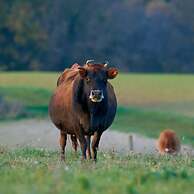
(161, 92)
(29, 79)
(30, 170)
(148, 103)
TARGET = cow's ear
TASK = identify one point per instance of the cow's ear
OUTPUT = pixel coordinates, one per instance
(75, 66)
(112, 73)
(82, 72)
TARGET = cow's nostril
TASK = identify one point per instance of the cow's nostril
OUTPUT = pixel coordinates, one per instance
(92, 93)
(96, 93)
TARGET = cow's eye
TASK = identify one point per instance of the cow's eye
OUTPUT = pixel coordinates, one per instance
(88, 79)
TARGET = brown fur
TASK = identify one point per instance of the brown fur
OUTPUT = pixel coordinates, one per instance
(67, 75)
(74, 117)
(168, 142)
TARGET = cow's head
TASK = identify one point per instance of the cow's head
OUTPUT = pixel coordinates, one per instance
(95, 78)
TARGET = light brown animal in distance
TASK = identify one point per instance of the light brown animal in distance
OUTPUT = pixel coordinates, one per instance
(168, 142)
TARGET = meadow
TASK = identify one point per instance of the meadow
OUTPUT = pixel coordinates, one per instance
(28, 170)
(147, 103)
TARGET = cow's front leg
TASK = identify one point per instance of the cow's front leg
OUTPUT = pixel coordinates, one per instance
(74, 142)
(83, 144)
(63, 140)
(95, 143)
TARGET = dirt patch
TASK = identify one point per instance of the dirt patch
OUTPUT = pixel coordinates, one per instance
(43, 134)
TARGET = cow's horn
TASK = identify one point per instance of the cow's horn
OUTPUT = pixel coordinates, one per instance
(89, 61)
(106, 63)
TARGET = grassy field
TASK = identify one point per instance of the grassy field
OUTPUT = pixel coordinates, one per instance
(144, 90)
(171, 93)
(147, 103)
(27, 171)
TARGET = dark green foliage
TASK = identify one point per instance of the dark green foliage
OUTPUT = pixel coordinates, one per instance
(136, 35)
(22, 38)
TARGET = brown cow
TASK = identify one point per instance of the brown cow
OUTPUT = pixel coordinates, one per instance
(84, 104)
(168, 142)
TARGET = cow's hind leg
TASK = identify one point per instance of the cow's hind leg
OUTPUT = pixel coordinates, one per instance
(95, 143)
(63, 140)
(74, 142)
(88, 137)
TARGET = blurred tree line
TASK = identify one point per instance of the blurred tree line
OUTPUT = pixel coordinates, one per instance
(135, 35)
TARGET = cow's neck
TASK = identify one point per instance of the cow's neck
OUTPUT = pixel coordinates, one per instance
(97, 108)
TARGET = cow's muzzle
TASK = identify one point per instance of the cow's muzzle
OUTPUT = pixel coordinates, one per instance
(96, 95)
